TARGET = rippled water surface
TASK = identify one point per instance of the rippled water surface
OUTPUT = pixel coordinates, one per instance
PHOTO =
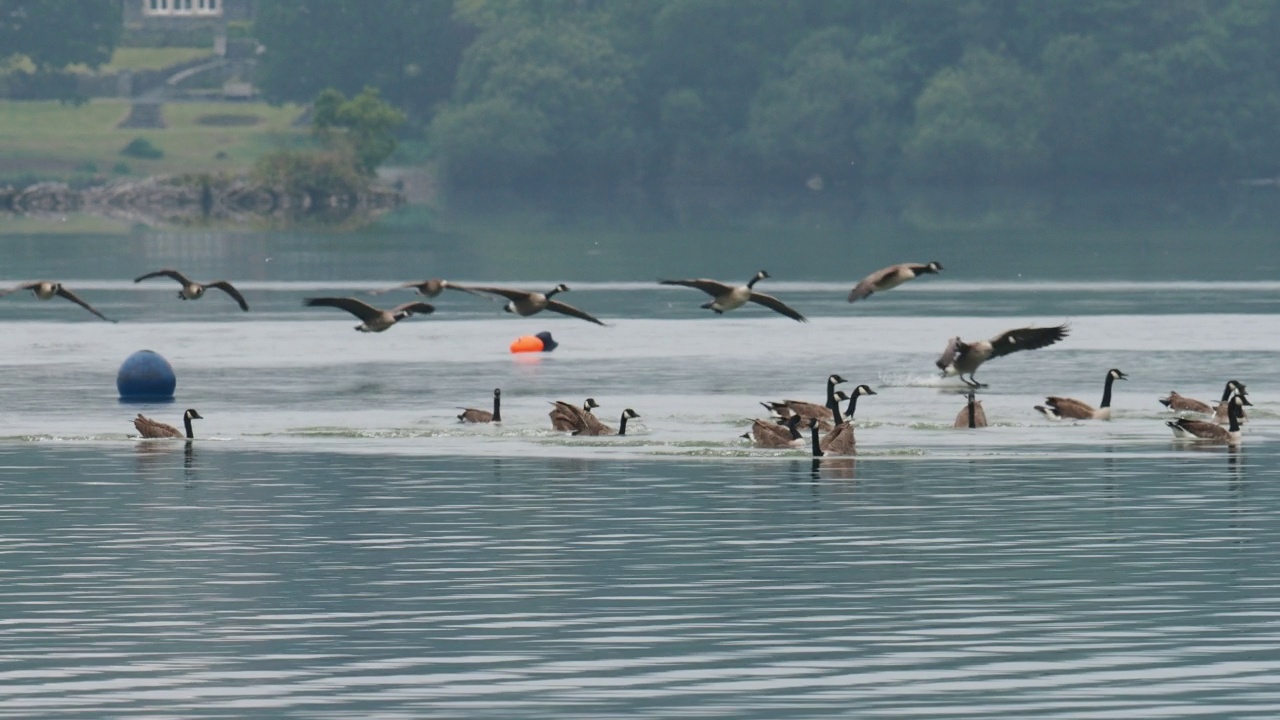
(335, 545)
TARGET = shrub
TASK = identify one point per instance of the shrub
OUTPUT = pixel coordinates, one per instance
(318, 174)
(142, 148)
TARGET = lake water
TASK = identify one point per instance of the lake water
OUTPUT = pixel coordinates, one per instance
(335, 545)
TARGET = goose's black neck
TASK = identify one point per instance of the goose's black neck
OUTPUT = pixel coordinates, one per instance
(622, 425)
(1233, 417)
(832, 404)
(853, 405)
(1106, 391)
(551, 293)
(752, 282)
(793, 425)
(817, 445)
(973, 413)
(186, 420)
(1226, 392)
(497, 408)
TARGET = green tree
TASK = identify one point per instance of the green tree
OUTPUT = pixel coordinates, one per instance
(408, 49)
(573, 86)
(981, 119)
(57, 33)
(835, 110)
(364, 122)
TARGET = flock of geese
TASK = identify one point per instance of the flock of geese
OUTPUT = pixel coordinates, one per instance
(831, 430)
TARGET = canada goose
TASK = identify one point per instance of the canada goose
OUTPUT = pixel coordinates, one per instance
(1186, 429)
(427, 288)
(1059, 408)
(600, 428)
(962, 358)
(771, 435)
(890, 278)
(971, 415)
(46, 289)
(472, 415)
(817, 442)
(853, 398)
(525, 303)
(840, 439)
(1181, 403)
(373, 319)
(809, 411)
(192, 290)
(729, 297)
(149, 428)
(566, 417)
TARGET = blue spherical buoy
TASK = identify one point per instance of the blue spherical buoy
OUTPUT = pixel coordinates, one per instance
(147, 377)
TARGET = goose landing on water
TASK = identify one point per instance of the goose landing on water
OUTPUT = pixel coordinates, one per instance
(730, 297)
(149, 428)
(962, 358)
(372, 319)
(765, 434)
(890, 278)
(526, 303)
(192, 290)
(472, 415)
(567, 417)
(47, 289)
(1204, 431)
(1060, 408)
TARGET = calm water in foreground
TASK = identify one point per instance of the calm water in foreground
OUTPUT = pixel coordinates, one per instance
(335, 545)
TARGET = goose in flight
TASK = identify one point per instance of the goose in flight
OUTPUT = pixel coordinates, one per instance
(1059, 408)
(964, 358)
(372, 319)
(192, 290)
(890, 278)
(729, 297)
(525, 303)
(427, 288)
(46, 289)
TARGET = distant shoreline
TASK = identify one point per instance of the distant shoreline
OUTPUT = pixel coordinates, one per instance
(185, 199)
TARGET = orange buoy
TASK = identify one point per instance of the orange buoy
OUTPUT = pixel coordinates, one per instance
(541, 342)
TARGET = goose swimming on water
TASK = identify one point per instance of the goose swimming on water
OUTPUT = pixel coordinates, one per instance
(1201, 430)
(964, 358)
(567, 417)
(1060, 408)
(47, 289)
(192, 290)
(149, 428)
(525, 302)
(472, 415)
(730, 297)
(372, 319)
(765, 434)
(890, 278)
(600, 428)
(971, 415)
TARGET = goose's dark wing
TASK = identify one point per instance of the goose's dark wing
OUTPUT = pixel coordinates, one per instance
(421, 285)
(868, 284)
(364, 311)
(714, 288)
(1029, 338)
(776, 305)
(229, 289)
(414, 308)
(508, 293)
(23, 286)
(563, 309)
(464, 288)
(167, 272)
(65, 293)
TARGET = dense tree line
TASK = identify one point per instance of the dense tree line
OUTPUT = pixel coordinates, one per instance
(654, 91)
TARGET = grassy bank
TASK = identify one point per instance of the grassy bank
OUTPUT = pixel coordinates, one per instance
(51, 140)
